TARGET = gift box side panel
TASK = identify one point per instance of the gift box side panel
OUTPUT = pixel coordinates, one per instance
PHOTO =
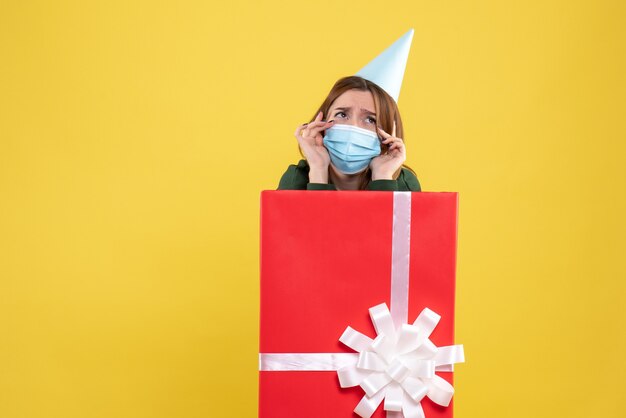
(305, 395)
(324, 262)
(433, 260)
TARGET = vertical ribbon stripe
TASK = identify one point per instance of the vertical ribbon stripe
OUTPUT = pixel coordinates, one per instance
(400, 254)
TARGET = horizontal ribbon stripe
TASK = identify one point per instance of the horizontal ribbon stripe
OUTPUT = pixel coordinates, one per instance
(318, 362)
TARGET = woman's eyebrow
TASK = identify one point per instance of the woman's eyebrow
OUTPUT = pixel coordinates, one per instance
(362, 109)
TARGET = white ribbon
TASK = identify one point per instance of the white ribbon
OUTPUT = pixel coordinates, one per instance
(306, 361)
(400, 255)
(399, 365)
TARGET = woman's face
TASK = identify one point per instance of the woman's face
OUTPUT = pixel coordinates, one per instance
(354, 107)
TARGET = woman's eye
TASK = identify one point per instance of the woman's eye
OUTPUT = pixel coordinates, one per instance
(371, 120)
(340, 114)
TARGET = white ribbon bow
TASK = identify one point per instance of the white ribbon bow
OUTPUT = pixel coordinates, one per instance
(399, 365)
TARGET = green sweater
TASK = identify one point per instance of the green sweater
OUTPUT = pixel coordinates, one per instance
(297, 178)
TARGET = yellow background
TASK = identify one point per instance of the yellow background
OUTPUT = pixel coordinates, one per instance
(135, 138)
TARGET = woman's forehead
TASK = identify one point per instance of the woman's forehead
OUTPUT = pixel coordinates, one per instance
(355, 98)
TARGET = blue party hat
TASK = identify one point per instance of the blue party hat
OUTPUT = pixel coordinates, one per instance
(387, 69)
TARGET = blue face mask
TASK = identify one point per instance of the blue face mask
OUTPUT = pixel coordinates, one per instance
(351, 149)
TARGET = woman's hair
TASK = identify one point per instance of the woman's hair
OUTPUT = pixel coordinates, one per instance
(386, 111)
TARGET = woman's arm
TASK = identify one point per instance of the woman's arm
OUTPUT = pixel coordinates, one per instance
(406, 182)
(297, 178)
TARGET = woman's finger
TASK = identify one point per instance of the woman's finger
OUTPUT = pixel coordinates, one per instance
(383, 133)
(392, 140)
(400, 149)
(299, 129)
(317, 120)
(316, 127)
(397, 143)
(317, 123)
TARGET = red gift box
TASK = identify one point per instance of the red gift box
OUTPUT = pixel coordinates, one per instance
(326, 259)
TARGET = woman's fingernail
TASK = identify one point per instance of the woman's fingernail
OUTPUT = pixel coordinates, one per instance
(331, 121)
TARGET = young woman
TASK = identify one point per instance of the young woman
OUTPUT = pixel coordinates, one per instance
(354, 142)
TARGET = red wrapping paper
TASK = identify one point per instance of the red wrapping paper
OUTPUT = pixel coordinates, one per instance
(325, 260)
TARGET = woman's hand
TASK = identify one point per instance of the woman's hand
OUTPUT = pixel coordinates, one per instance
(311, 142)
(385, 165)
